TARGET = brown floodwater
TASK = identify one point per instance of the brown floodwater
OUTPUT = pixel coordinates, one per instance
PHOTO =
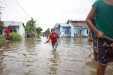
(34, 57)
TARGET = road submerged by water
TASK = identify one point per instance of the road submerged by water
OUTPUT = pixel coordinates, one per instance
(34, 57)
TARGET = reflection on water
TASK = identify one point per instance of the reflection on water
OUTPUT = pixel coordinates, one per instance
(1, 61)
(33, 57)
(54, 62)
(30, 43)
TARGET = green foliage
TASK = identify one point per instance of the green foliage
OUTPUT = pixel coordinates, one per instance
(30, 26)
(38, 30)
(31, 30)
(15, 37)
(2, 40)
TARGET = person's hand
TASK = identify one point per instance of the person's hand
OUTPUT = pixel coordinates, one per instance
(99, 34)
(46, 42)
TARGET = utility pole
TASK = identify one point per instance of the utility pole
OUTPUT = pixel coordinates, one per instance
(1, 8)
(0, 13)
(1, 23)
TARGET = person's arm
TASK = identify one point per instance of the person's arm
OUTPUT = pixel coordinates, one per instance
(90, 20)
(57, 35)
(91, 24)
(48, 38)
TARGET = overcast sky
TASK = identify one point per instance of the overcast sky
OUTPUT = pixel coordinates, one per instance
(46, 12)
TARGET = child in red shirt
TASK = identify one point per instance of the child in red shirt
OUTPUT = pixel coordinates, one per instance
(53, 37)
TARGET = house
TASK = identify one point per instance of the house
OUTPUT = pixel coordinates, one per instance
(78, 28)
(16, 26)
(72, 29)
(63, 29)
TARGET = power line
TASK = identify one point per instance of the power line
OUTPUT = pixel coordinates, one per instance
(25, 12)
(0, 9)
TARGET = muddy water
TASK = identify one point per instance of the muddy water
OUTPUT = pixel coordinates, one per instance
(34, 57)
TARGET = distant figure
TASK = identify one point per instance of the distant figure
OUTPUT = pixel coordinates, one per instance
(1, 30)
(53, 37)
(7, 33)
(1, 27)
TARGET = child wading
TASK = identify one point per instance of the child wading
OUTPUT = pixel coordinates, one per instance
(100, 22)
(53, 37)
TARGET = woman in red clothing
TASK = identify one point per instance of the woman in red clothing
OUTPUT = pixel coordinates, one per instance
(53, 37)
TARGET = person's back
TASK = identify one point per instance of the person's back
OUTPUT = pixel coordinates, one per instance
(100, 21)
(53, 36)
(104, 17)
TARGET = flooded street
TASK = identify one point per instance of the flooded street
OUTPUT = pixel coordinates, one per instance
(34, 57)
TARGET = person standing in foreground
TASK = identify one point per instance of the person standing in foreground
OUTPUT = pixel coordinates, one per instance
(100, 21)
(53, 37)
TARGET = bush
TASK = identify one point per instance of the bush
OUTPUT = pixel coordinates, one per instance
(2, 40)
(15, 37)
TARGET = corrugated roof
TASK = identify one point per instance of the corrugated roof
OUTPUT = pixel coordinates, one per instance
(72, 21)
(77, 23)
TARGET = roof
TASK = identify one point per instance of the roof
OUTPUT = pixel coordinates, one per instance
(62, 24)
(79, 21)
(12, 23)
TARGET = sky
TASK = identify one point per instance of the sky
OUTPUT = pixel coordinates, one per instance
(46, 12)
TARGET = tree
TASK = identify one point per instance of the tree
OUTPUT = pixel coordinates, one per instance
(38, 30)
(30, 25)
(30, 28)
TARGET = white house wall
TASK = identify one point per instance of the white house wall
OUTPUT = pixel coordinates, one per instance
(84, 32)
(63, 31)
(75, 30)
(77, 27)
(13, 23)
(21, 30)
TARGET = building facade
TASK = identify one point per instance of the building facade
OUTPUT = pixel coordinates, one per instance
(15, 26)
(72, 29)
(64, 30)
(78, 28)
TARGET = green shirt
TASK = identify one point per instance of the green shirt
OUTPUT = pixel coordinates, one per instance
(104, 17)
